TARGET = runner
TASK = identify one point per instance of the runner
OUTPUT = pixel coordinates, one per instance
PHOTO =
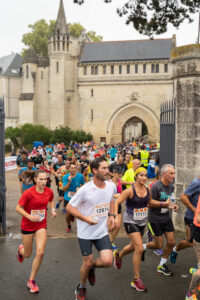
(27, 175)
(38, 159)
(48, 171)
(116, 179)
(190, 199)
(71, 183)
(137, 198)
(194, 289)
(159, 218)
(93, 207)
(129, 177)
(56, 166)
(61, 172)
(33, 207)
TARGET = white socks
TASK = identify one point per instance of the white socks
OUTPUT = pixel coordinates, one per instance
(174, 249)
(145, 247)
(162, 261)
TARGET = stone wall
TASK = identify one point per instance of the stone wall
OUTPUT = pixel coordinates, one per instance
(186, 75)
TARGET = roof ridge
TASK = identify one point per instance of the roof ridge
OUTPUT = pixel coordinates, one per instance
(122, 41)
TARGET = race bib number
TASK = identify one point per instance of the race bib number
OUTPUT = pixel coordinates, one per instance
(164, 210)
(140, 213)
(71, 194)
(38, 166)
(40, 213)
(101, 210)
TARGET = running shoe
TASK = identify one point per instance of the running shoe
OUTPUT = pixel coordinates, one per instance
(192, 271)
(20, 258)
(63, 211)
(68, 230)
(158, 251)
(138, 285)
(31, 284)
(80, 293)
(91, 276)
(114, 247)
(173, 257)
(164, 270)
(117, 260)
(143, 255)
(57, 205)
(149, 237)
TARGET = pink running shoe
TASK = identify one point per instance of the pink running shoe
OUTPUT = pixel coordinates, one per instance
(20, 258)
(31, 284)
(138, 285)
(117, 260)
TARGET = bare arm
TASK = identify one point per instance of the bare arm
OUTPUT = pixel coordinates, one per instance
(123, 196)
(23, 213)
(66, 187)
(184, 198)
(158, 204)
(75, 212)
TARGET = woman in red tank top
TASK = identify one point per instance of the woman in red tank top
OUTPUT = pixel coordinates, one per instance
(33, 207)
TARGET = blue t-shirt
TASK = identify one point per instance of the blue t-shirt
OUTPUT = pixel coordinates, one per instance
(113, 152)
(76, 182)
(193, 192)
(27, 185)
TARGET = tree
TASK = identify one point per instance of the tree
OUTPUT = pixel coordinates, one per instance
(151, 17)
(38, 37)
(14, 135)
(40, 31)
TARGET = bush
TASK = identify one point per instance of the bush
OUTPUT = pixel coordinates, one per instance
(8, 148)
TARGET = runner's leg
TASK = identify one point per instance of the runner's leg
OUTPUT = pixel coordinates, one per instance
(27, 241)
(41, 239)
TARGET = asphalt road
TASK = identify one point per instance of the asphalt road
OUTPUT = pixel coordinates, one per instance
(59, 275)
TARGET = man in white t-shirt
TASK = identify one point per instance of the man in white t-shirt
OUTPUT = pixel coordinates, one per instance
(93, 206)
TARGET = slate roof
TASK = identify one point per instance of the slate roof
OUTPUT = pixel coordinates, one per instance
(126, 51)
(11, 65)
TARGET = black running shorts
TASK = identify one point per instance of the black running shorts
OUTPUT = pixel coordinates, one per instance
(157, 229)
(130, 228)
(100, 244)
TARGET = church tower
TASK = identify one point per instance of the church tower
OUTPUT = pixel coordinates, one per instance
(63, 53)
(58, 50)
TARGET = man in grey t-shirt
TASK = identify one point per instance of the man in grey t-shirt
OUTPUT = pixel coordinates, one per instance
(159, 218)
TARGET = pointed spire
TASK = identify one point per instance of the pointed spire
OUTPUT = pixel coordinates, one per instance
(61, 25)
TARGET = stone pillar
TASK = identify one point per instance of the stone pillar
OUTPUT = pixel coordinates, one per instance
(186, 75)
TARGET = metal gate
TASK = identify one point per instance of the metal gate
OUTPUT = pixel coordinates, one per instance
(2, 170)
(167, 133)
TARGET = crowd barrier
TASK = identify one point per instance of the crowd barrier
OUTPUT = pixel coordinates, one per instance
(10, 163)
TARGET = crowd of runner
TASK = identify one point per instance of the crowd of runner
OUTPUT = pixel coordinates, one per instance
(92, 184)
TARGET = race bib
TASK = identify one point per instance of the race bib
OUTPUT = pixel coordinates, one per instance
(101, 210)
(140, 213)
(71, 194)
(38, 166)
(40, 213)
(164, 210)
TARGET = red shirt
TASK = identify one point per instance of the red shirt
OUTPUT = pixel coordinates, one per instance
(36, 204)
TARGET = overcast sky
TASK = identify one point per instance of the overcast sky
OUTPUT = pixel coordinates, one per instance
(95, 15)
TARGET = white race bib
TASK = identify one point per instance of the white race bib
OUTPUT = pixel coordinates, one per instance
(71, 194)
(164, 210)
(140, 213)
(38, 166)
(40, 213)
(101, 210)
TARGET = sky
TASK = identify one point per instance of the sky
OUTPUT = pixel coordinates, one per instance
(95, 15)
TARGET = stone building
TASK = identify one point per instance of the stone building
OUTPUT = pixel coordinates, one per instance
(106, 88)
(10, 84)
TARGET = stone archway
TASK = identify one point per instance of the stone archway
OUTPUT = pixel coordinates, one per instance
(128, 111)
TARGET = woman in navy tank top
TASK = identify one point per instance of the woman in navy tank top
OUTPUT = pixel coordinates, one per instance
(137, 198)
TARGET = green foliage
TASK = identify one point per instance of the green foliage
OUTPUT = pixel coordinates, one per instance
(153, 16)
(38, 37)
(28, 133)
(76, 29)
(92, 35)
(14, 135)
(8, 148)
